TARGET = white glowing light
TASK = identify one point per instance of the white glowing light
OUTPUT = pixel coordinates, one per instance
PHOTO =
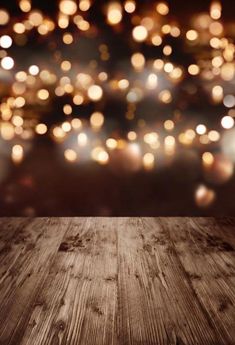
(201, 129)
(33, 70)
(5, 41)
(227, 122)
(95, 92)
(7, 63)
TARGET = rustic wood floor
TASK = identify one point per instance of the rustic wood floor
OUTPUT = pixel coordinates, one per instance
(117, 281)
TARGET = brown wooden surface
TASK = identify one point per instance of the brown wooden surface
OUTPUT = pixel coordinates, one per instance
(117, 281)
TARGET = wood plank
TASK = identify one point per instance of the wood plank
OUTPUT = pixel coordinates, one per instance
(157, 302)
(9, 230)
(208, 260)
(117, 281)
(77, 304)
(23, 270)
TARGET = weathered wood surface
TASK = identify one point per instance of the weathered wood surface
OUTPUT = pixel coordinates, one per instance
(116, 281)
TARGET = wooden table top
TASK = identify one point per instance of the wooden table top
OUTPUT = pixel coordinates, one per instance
(117, 281)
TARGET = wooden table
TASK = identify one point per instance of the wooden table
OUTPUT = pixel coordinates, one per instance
(117, 281)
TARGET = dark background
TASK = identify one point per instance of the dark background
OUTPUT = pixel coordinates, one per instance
(44, 184)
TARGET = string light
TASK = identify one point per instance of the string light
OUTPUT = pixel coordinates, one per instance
(82, 85)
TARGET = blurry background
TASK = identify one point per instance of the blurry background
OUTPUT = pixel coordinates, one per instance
(117, 108)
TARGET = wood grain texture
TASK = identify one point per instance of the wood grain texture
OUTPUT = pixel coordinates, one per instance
(117, 281)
